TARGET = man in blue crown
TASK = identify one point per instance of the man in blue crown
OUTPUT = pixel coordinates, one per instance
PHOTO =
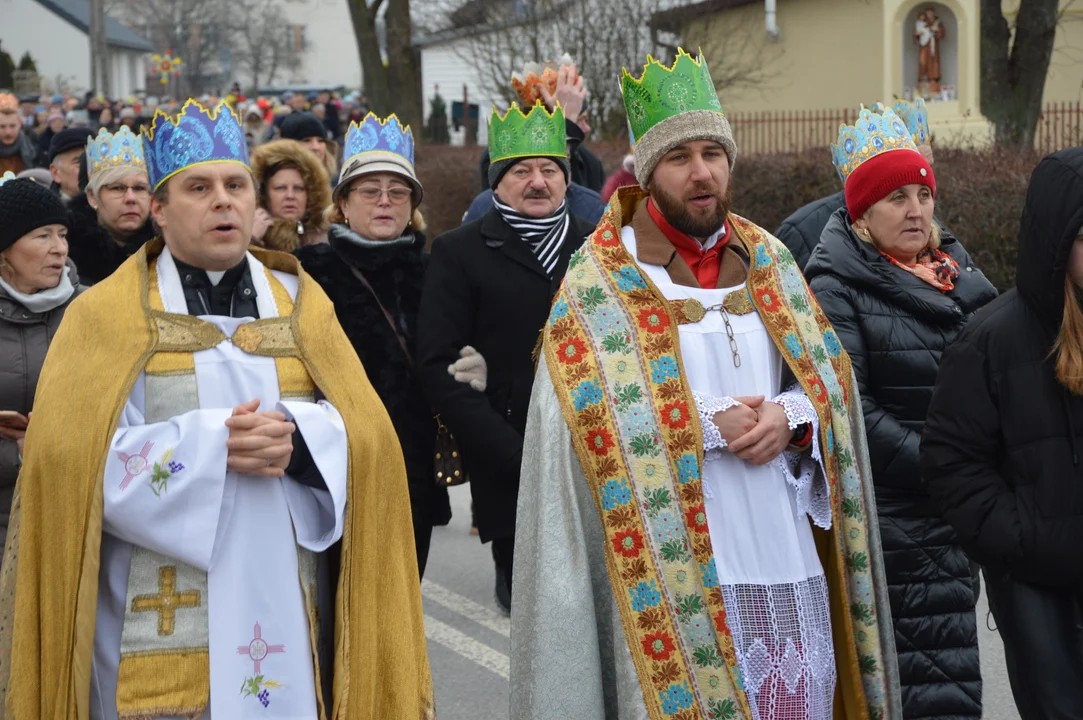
(212, 556)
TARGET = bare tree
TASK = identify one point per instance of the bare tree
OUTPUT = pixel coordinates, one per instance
(263, 41)
(603, 37)
(389, 66)
(193, 29)
(1014, 64)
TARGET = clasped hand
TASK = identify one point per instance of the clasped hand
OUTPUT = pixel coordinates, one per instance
(755, 431)
(260, 442)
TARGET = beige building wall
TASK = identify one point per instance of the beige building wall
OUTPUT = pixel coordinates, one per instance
(1065, 80)
(827, 58)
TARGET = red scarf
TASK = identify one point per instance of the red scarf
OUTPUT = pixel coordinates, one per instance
(705, 264)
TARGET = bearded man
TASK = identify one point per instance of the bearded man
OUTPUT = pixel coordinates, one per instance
(696, 515)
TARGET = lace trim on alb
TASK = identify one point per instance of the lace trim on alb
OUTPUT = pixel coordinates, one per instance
(782, 637)
(805, 472)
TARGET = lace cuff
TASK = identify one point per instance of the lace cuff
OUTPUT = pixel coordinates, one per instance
(806, 473)
(708, 406)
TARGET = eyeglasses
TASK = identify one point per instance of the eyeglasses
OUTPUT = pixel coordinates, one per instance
(397, 195)
(120, 189)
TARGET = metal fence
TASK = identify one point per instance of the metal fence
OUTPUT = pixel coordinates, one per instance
(1060, 126)
(769, 132)
(783, 131)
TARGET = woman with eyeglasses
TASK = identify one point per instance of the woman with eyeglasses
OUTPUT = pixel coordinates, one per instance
(111, 220)
(372, 268)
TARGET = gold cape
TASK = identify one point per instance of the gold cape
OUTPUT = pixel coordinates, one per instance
(49, 582)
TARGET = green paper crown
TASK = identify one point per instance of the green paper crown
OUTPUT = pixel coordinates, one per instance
(661, 92)
(539, 133)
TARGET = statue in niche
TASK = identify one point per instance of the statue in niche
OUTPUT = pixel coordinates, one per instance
(928, 32)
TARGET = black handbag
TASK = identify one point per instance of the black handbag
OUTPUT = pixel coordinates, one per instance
(448, 458)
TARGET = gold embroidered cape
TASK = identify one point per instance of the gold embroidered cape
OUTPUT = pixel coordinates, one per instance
(48, 585)
(612, 353)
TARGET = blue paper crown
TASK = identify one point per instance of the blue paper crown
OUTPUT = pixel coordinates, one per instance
(7, 177)
(123, 149)
(873, 134)
(376, 135)
(916, 118)
(194, 136)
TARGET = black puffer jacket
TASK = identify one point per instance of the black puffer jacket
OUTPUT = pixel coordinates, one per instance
(895, 327)
(396, 272)
(1002, 456)
(801, 231)
(92, 248)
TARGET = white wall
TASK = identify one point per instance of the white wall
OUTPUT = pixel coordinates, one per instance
(128, 71)
(331, 53)
(447, 65)
(58, 48)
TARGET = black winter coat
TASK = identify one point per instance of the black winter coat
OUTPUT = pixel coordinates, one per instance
(396, 272)
(895, 327)
(485, 288)
(801, 231)
(1001, 454)
(92, 248)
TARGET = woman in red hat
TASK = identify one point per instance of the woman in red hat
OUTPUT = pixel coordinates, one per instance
(898, 288)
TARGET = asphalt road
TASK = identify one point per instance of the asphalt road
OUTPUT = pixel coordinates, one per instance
(468, 636)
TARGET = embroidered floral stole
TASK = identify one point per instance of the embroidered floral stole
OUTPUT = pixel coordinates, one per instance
(165, 665)
(613, 352)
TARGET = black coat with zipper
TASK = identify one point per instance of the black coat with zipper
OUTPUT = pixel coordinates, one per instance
(485, 288)
(1001, 454)
(895, 326)
(396, 273)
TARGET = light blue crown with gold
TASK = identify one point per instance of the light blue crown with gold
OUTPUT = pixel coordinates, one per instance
(373, 135)
(195, 136)
(916, 118)
(873, 134)
(108, 151)
(7, 177)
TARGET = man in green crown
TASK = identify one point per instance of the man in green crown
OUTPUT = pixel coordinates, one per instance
(696, 530)
(487, 294)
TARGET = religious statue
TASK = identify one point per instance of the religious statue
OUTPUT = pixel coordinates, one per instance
(928, 31)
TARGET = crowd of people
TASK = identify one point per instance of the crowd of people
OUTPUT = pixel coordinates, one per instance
(724, 473)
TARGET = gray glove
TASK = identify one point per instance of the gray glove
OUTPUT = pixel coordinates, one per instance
(470, 368)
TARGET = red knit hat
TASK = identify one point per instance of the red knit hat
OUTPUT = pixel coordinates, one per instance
(873, 179)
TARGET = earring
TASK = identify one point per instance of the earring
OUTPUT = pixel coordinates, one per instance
(866, 234)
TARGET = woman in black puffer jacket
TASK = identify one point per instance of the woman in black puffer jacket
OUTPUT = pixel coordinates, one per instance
(1002, 456)
(895, 313)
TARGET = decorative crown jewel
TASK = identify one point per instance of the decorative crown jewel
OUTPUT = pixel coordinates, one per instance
(534, 76)
(538, 133)
(123, 149)
(873, 134)
(662, 92)
(195, 135)
(6, 177)
(8, 102)
(916, 118)
(376, 135)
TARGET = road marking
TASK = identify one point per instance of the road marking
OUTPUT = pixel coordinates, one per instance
(467, 647)
(466, 607)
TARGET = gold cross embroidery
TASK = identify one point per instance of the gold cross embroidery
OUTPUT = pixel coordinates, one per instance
(167, 601)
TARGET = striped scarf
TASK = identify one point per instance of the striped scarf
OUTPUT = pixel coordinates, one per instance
(545, 236)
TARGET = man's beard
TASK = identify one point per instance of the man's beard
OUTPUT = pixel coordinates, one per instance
(678, 215)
